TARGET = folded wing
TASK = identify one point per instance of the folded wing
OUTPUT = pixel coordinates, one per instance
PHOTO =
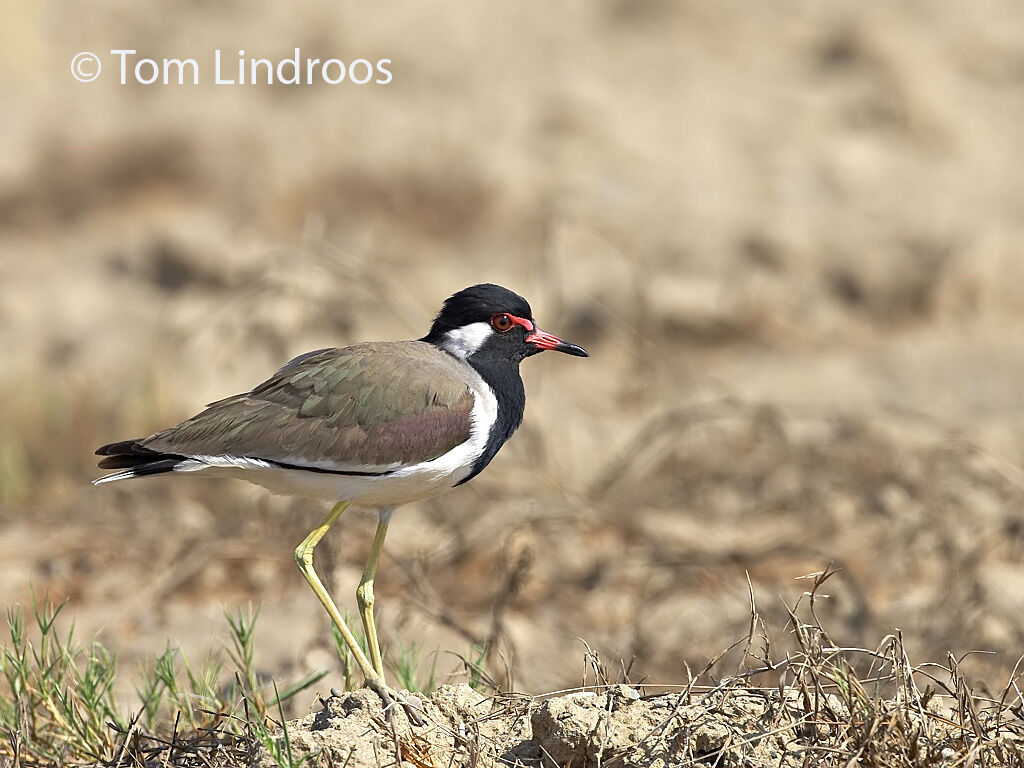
(364, 409)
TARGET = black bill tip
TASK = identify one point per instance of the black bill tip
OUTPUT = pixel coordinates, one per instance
(572, 349)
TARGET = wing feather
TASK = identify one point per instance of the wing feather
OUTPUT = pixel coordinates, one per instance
(368, 407)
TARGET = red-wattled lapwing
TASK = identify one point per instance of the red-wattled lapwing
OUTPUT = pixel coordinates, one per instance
(376, 424)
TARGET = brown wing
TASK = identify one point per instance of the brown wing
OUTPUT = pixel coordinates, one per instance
(368, 407)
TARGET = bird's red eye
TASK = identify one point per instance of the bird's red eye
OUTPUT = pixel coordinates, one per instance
(501, 322)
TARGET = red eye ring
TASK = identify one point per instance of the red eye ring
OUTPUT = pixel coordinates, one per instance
(501, 322)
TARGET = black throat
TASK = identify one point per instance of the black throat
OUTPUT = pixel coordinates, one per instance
(502, 376)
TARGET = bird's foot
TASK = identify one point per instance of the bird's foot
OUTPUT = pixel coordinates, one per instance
(413, 706)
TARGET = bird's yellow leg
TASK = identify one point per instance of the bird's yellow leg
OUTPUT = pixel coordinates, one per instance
(374, 679)
(365, 599)
(304, 559)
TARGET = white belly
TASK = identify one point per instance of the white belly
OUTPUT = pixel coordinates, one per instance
(419, 482)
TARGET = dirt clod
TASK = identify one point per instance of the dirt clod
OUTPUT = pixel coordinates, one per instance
(570, 728)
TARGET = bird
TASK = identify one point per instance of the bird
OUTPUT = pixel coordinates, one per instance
(374, 424)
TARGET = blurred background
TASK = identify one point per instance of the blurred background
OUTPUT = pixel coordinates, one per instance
(789, 233)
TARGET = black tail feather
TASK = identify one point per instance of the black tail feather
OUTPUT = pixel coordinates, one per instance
(130, 455)
(157, 467)
(126, 460)
(131, 447)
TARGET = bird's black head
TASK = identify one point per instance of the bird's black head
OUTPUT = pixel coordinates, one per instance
(488, 322)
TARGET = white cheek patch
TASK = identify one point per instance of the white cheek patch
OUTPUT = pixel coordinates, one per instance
(463, 342)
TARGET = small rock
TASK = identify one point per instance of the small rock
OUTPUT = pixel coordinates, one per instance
(622, 694)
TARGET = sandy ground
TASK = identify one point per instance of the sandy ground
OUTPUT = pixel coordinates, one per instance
(623, 726)
(789, 234)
